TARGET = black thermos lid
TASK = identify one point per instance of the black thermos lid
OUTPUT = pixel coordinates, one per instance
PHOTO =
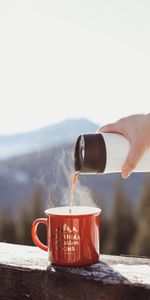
(90, 153)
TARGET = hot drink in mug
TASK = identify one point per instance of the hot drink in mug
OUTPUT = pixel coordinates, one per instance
(72, 237)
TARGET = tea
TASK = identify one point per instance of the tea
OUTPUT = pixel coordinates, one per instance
(75, 176)
(68, 243)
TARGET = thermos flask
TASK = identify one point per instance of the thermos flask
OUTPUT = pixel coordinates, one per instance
(105, 153)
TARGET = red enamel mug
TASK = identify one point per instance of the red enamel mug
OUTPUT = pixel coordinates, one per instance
(73, 239)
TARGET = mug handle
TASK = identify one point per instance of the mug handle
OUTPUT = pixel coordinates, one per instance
(35, 238)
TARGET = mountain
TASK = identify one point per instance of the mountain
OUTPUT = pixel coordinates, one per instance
(44, 138)
(33, 160)
(49, 170)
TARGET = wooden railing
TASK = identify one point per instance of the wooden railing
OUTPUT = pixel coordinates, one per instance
(26, 274)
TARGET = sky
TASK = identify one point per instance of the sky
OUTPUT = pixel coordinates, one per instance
(72, 59)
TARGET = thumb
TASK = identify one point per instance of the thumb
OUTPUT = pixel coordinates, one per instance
(112, 127)
(131, 161)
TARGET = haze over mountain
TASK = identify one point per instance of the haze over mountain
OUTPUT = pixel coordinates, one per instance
(41, 139)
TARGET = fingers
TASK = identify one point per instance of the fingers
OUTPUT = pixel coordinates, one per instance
(133, 158)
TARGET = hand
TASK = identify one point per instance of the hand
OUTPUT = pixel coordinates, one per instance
(136, 128)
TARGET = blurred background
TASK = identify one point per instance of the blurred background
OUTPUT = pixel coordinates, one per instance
(67, 67)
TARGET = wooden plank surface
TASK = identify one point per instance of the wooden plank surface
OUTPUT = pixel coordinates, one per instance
(25, 273)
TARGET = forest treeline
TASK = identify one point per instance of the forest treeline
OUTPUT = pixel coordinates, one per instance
(124, 231)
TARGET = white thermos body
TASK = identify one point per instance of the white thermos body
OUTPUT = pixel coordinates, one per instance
(105, 153)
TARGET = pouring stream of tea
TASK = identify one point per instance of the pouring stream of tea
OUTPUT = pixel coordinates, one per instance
(75, 176)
